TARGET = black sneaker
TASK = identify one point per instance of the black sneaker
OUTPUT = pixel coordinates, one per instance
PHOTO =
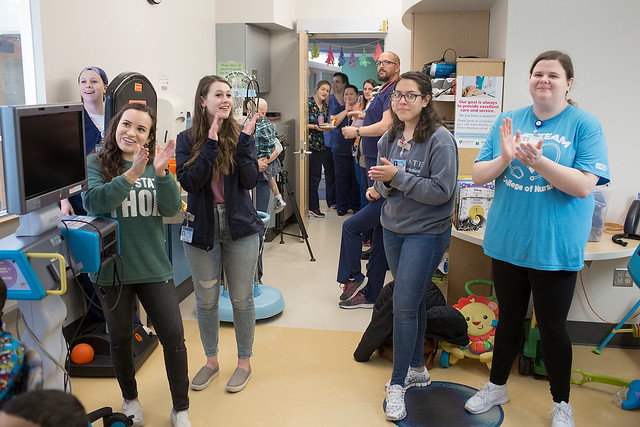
(351, 288)
(316, 213)
(358, 301)
(342, 213)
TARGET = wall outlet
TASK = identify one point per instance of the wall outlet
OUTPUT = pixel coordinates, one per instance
(621, 277)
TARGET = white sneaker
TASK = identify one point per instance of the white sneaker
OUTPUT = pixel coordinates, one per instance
(279, 204)
(562, 415)
(414, 378)
(134, 408)
(395, 410)
(180, 418)
(486, 398)
(417, 378)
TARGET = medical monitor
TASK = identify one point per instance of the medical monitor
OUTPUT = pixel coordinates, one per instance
(44, 154)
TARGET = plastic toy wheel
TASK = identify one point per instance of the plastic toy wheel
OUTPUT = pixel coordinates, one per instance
(444, 359)
(525, 366)
(635, 331)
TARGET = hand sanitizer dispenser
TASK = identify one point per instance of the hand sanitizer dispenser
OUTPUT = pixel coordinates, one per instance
(172, 118)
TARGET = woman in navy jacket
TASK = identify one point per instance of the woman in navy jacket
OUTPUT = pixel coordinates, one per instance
(217, 166)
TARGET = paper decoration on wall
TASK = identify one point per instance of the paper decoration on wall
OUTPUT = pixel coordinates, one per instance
(330, 59)
(315, 51)
(352, 59)
(341, 59)
(363, 59)
(377, 52)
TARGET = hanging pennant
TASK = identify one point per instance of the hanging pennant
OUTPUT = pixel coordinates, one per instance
(315, 51)
(377, 52)
(330, 59)
(341, 59)
(352, 59)
(363, 59)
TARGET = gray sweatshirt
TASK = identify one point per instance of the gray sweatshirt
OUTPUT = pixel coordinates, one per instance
(420, 198)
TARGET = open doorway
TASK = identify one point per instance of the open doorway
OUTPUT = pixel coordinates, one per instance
(357, 58)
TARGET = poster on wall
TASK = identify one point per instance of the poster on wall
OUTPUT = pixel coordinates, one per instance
(478, 104)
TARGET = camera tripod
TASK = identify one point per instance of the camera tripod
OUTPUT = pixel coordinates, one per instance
(303, 231)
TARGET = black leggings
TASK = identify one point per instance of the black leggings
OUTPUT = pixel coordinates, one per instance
(552, 296)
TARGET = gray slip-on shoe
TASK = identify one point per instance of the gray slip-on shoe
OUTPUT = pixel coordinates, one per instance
(204, 376)
(238, 380)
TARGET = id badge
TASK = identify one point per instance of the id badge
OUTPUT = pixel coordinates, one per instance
(400, 164)
(186, 234)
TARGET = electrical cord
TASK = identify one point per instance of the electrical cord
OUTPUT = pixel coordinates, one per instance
(584, 291)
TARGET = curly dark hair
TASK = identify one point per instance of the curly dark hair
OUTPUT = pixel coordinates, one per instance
(429, 119)
(228, 133)
(110, 157)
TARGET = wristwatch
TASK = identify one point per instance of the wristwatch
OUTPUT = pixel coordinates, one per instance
(358, 131)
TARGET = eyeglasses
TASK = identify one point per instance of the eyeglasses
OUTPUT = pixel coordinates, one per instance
(384, 62)
(409, 97)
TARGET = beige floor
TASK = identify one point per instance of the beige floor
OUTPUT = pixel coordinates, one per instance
(303, 369)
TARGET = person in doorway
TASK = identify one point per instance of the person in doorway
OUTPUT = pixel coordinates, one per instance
(336, 106)
(416, 174)
(547, 168)
(356, 291)
(217, 165)
(320, 153)
(129, 181)
(347, 190)
(358, 120)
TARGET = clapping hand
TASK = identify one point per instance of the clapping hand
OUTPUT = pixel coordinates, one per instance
(529, 154)
(248, 128)
(163, 156)
(213, 129)
(384, 172)
(508, 143)
(140, 160)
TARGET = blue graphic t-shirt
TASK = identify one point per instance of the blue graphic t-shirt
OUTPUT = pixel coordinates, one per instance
(531, 223)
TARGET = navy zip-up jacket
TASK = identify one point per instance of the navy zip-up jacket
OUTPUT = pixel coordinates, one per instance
(196, 180)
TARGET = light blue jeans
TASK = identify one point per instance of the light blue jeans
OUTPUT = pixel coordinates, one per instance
(412, 258)
(237, 258)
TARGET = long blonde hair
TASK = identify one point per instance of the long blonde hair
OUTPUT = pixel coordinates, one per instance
(228, 133)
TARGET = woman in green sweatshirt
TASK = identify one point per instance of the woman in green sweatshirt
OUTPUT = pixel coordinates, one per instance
(128, 181)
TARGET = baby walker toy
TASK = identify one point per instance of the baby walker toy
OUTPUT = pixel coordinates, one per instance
(481, 314)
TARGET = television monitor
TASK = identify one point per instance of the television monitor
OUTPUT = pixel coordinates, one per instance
(44, 155)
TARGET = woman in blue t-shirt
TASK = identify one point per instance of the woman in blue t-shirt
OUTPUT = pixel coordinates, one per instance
(539, 223)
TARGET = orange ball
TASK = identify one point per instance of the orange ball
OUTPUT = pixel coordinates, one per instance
(82, 354)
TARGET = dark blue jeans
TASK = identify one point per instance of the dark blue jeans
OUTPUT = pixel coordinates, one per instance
(361, 176)
(413, 258)
(347, 188)
(349, 263)
(160, 300)
(317, 160)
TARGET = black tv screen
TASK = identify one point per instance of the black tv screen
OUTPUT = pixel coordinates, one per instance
(44, 155)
